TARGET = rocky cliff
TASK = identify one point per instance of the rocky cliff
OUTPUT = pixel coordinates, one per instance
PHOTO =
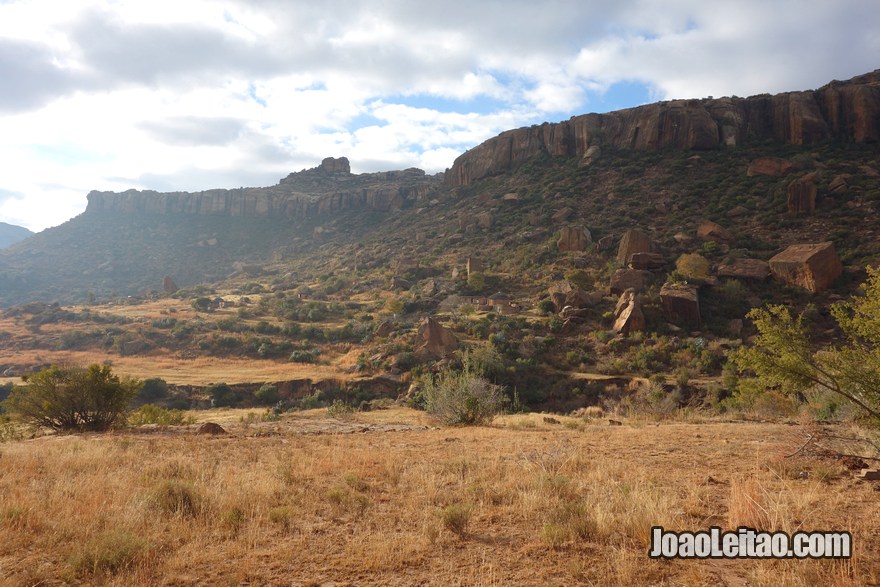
(847, 110)
(324, 189)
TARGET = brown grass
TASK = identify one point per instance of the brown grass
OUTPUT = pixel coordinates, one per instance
(501, 505)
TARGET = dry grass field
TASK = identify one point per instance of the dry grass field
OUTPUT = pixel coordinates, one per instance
(395, 502)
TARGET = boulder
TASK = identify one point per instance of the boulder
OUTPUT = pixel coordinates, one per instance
(590, 155)
(510, 198)
(633, 241)
(605, 243)
(210, 428)
(562, 215)
(563, 294)
(839, 184)
(435, 339)
(683, 238)
(628, 315)
(572, 312)
(712, 231)
(801, 196)
(772, 166)
(737, 211)
(647, 261)
(812, 266)
(754, 269)
(485, 220)
(168, 285)
(624, 279)
(399, 283)
(681, 304)
(574, 238)
(384, 328)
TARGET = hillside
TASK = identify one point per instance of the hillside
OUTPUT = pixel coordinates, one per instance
(11, 234)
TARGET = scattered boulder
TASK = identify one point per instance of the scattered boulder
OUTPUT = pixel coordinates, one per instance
(812, 266)
(737, 212)
(801, 196)
(772, 166)
(574, 238)
(435, 338)
(384, 328)
(572, 312)
(839, 184)
(590, 155)
(754, 269)
(624, 279)
(168, 285)
(430, 287)
(562, 215)
(712, 231)
(647, 261)
(683, 238)
(399, 283)
(605, 243)
(633, 241)
(510, 198)
(563, 294)
(681, 304)
(485, 220)
(210, 428)
(628, 315)
(869, 171)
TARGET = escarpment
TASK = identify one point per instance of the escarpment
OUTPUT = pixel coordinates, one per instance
(328, 188)
(847, 110)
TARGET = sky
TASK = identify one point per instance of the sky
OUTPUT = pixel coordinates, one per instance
(192, 95)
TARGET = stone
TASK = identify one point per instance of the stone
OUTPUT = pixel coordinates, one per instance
(435, 339)
(869, 171)
(210, 428)
(839, 184)
(562, 215)
(712, 231)
(647, 261)
(591, 154)
(384, 328)
(485, 220)
(633, 241)
(510, 198)
(399, 283)
(605, 243)
(772, 166)
(628, 315)
(813, 267)
(753, 269)
(801, 196)
(574, 238)
(572, 312)
(681, 304)
(168, 285)
(737, 211)
(624, 279)
(683, 238)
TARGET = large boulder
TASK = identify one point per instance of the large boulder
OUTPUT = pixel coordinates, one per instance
(712, 231)
(574, 238)
(435, 339)
(647, 261)
(813, 266)
(754, 269)
(802, 195)
(772, 166)
(563, 294)
(633, 241)
(628, 315)
(681, 304)
(562, 215)
(624, 279)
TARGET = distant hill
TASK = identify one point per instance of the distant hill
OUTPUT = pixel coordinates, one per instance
(11, 234)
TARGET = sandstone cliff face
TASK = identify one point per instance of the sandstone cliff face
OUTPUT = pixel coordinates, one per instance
(849, 110)
(326, 189)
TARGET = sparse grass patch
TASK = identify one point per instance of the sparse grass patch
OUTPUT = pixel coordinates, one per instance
(109, 553)
(174, 497)
(456, 518)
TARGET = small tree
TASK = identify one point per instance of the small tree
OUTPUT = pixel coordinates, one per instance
(73, 398)
(693, 266)
(783, 358)
(462, 396)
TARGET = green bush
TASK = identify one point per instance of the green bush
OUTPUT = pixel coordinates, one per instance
(267, 395)
(73, 398)
(153, 389)
(222, 395)
(150, 414)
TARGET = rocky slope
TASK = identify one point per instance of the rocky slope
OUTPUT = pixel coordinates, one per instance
(847, 110)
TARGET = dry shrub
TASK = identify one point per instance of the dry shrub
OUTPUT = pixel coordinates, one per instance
(176, 498)
(456, 518)
(109, 553)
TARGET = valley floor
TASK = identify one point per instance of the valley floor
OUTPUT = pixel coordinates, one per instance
(388, 498)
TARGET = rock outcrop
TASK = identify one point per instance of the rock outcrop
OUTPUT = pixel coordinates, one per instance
(633, 241)
(772, 166)
(681, 304)
(813, 267)
(802, 195)
(435, 339)
(848, 110)
(712, 231)
(574, 238)
(628, 315)
(326, 189)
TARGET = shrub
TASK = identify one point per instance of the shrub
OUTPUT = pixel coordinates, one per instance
(222, 395)
(109, 553)
(456, 518)
(73, 398)
(462, 397)
(692, 266)
(153, 389)
(340, 409)
(176, 498)
(267, 395)
(150, 414)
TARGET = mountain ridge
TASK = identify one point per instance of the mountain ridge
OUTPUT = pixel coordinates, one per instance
(11, 234)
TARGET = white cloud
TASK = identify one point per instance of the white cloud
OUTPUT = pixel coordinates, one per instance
(193, 94)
